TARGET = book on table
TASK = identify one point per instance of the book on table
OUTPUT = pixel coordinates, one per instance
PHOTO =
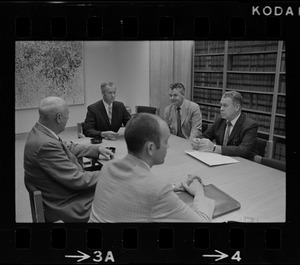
(224, 202)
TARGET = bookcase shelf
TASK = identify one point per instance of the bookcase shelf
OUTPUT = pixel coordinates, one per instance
(257, 69)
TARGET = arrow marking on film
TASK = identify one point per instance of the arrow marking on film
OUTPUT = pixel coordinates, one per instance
(83, 256)
(221, 256)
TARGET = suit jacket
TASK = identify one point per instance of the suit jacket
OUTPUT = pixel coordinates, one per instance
(242, 139)
(191, 119)
(53, 167)
(127, 191)
(97, 119)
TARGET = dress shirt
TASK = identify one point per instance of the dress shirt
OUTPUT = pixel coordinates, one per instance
(107, 106)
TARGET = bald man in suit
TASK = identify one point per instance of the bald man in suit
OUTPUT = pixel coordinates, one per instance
(55, 168)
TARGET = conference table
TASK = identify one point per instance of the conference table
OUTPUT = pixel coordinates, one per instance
(260, 190)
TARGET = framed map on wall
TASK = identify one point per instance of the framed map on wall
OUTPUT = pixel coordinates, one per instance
(48, 68)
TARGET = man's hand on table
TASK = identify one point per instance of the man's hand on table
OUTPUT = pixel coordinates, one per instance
(109, 135)
(106, 152)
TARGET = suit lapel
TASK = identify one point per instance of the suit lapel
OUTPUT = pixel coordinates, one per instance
(185, 108)
(104, 113)
(222, 130)
(237, 127)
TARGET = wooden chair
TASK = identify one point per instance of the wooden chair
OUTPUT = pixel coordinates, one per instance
(261, 146)
(205, 126)
(80, 130)
(147, 109)
(36, 203)
(274, 163)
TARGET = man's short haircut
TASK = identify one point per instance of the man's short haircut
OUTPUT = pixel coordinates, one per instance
(178, 86)
(106, 84)
(235, 96)
(142, 127)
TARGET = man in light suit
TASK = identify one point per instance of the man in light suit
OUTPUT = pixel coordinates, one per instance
(54, 167)
(105, 117)
(127, 191)
(237, 139)
(183, 116)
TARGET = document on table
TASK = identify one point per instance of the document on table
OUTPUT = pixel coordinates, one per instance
(121, 131)
(211, 159)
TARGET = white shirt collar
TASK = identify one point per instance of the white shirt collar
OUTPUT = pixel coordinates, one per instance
(106, 105)
(53, 133)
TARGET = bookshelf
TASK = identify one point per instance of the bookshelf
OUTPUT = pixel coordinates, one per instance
(254, 68)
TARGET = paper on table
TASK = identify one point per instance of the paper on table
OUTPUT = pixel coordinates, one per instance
(121, 131)
(211, 159)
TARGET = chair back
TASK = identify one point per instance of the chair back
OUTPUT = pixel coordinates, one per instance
(204, 127)
(260, 146)
(36, 203)
(147, 109)
(80, 130)
(274, 163)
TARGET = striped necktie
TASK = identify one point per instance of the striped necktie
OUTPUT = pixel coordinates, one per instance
(227, 133)
(109, 113)
(179, 131)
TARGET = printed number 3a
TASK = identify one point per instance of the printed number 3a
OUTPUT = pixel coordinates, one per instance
(236, 256)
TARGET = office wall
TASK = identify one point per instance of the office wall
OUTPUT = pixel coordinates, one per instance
(125, 63)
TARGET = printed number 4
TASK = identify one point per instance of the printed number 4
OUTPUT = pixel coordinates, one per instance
(236, 256)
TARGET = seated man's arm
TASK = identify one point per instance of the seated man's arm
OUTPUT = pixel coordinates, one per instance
(247, 143)
(89, 126)
(170, 208)
(57, 165)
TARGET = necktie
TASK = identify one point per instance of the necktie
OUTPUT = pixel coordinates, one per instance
(227, 133)
(109, 113)
(179, 132)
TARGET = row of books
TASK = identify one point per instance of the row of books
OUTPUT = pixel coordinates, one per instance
(282, 66)
(257, 102)
(262, 120)
(208, 79)
(209, 63)
(265, 62)
(281, 105)
(251, 82)
(209, 47)
(207, 95)
(279, 127)
(282, 84)
(209, 112)
(280, 151)
(252, 46)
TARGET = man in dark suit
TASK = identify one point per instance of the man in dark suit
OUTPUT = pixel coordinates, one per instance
(234, 133)
(105, 117)
(55, 168)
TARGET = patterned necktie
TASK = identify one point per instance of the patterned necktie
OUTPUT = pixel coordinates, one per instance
(109, 113)
(227, 133)
(179, 132)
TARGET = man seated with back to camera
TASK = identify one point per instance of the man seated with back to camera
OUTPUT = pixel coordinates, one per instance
(183, 116)
(127, 191)
(105, 117)
(55, 167)
(234, 133)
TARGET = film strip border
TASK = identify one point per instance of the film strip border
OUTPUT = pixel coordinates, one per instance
(151, 21)
(164, 243)
(149, 243)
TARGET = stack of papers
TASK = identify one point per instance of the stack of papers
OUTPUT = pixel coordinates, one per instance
(211, 159)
